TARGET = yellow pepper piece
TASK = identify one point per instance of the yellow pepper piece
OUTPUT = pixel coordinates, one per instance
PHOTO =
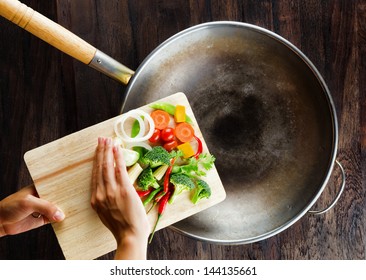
(187, 149)
(180, 114)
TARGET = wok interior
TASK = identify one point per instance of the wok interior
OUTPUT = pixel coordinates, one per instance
(264, 115)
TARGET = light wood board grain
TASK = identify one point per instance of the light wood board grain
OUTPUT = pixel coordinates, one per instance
(61, 171)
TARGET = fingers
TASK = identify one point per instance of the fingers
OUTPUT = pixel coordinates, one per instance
(120, 162)
(99, 157)
(108, 166)
(97, 175)
(104, 184)
(120, 168)
(36, 206)
(95, 169)
(47, 209)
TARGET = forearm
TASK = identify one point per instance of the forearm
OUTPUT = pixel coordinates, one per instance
(131, 248)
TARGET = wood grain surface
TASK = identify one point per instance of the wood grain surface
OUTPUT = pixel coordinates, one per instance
(45, 95)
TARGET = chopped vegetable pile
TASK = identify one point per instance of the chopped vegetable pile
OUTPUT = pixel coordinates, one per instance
(166, 159)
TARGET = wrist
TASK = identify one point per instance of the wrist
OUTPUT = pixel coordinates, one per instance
(131, 247)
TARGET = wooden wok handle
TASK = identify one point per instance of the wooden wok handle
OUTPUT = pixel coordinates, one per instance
(62, 39)
(47, 30)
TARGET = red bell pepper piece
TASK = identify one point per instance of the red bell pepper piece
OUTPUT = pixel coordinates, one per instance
(167, 175)
(143, 193)
(199, 148)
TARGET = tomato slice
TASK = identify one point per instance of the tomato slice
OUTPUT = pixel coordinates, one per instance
(171, 145)
(156, 136)
(184, 132)
(167, 134)
(161, 119)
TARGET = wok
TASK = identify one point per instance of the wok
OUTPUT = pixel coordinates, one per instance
(263, 108)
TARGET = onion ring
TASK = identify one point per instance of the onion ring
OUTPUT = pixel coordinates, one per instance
(135, 114)
(142, 127)
(138, 144)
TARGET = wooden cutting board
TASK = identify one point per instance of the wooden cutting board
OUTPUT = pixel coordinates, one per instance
(61, 171)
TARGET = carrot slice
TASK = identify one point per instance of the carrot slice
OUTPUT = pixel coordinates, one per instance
(184, 132)
(161, 119)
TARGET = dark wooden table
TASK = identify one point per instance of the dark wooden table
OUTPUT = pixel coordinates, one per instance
(45, 94)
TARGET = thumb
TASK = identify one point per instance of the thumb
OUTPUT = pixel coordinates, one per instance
(47, 209)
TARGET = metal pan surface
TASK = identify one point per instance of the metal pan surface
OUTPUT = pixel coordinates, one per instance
(265, 113)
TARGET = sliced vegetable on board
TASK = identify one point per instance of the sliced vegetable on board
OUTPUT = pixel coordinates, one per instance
(156, 157)
(167, 175)
(135, 129)
(147, 180)
(139, 115)
(160, 172)
(134, 171)
(161, 119)
(181, 183)
(155, 137)
(184, 132)
(169, 108)
(151, 196)
(187, 149)
(202, 190)
(167, 134)
(130, 156)
(199, 147)
(171, 145)
(167, 164)
(180, 114)
(143, 193)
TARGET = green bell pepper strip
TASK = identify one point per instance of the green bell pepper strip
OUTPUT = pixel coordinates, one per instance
(151, 196)
(135, 129)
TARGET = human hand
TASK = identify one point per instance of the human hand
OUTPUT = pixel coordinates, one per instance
(24, 210)
(115, 200)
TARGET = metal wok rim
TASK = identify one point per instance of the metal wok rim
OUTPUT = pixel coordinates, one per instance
(319, 78)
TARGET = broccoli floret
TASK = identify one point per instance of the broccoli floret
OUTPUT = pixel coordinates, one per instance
(156, 157)
(146, 179)
(181, 183)
(202, 190)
